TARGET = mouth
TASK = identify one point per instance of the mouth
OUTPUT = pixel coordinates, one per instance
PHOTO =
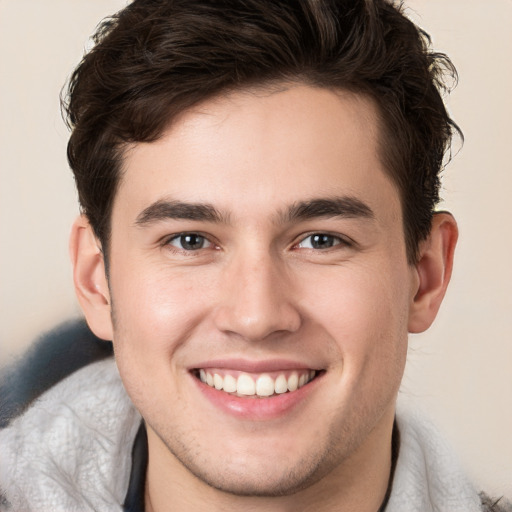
(255, 385)
(257, 390)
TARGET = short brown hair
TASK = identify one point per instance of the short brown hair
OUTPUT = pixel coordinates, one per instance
(157, 58)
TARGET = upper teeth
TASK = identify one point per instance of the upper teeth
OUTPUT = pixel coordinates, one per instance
(260, 385)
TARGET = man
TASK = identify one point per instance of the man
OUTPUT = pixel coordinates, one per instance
(258, 183)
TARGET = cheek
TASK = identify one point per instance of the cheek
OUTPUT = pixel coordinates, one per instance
(154, 318)
(365, 312)
(157, 305)
(155, 315)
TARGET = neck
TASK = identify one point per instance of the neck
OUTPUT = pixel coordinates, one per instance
(358, 484)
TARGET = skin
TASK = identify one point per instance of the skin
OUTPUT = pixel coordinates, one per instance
(259, 290)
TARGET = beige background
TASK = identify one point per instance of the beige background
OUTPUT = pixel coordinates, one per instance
(460, 371)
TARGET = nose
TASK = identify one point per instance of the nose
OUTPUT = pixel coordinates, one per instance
(257, 299)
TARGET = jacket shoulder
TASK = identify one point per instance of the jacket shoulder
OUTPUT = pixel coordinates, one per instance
(54, 355)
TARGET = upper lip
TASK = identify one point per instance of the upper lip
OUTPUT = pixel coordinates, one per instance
(251, 366)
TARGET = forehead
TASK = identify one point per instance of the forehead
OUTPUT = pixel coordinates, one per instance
(261, 149)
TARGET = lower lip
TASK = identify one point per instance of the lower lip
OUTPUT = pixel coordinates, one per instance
(254, 408)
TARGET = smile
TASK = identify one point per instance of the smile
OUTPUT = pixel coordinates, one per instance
(262, 385)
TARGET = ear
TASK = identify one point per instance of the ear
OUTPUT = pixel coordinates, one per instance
(434, 269)
(91, 285)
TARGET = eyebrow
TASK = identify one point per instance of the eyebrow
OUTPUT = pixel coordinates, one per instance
(345, 207)
(164, 210)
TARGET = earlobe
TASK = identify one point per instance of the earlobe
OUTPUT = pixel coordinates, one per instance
(434, 269)
(91, 285)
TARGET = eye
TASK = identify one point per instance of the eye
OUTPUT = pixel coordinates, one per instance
(321, 241)
(189, 242)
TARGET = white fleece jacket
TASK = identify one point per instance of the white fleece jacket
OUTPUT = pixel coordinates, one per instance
(71, 451)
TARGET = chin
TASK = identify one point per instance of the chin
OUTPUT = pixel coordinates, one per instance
(257, 471)
(279, 482)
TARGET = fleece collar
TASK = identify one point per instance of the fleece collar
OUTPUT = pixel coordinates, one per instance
(71, 451)
(428, 477)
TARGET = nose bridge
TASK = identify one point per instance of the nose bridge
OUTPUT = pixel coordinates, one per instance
(257, 299)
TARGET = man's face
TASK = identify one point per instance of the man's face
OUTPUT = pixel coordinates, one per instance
(259, 244)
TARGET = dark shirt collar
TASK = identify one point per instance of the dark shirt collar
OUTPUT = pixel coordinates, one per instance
(135, 496)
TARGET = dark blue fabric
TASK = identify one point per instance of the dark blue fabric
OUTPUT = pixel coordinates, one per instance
(135, 496)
